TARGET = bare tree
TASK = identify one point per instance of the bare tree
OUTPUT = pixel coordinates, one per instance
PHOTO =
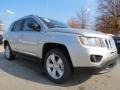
(81, 20)
(83, 17)
(74, 23)
(109, 19)
(1, 25)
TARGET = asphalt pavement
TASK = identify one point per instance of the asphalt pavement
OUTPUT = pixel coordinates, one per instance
(25, 74)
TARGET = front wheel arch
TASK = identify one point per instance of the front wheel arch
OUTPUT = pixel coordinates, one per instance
(49, 46)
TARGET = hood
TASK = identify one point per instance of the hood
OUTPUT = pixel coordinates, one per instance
(85, 32)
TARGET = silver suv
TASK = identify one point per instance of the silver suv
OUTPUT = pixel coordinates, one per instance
(58, 47)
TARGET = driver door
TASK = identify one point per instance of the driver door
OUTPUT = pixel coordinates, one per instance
(29, 38)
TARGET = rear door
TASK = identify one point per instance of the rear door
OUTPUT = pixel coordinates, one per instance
(15, 33)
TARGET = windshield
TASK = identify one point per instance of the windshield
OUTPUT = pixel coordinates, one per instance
(53, 23)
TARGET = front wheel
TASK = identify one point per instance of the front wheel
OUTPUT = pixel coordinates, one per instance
(57, 66)
(8, 53)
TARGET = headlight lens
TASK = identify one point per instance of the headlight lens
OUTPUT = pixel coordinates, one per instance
(92, 42)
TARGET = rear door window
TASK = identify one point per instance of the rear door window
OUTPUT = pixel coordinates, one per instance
(18, 26)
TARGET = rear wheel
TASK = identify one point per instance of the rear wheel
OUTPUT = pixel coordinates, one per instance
(57, 66)
(8, 53)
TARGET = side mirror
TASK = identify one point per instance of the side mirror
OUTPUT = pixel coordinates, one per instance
(34, 26)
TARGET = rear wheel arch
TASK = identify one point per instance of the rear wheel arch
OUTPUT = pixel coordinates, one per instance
(8, 51)
(6, 43)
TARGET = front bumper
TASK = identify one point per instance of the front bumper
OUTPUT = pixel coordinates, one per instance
(109, 63)
(80, 56)
(103, 68)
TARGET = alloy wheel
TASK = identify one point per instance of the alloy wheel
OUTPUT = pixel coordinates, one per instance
(55, 66)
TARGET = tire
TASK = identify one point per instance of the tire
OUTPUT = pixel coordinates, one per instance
(59, 70)
(8, 53)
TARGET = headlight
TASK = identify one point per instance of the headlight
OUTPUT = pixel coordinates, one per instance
(91, 41)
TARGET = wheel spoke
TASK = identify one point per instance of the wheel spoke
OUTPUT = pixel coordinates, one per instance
(50, 65)
(54, 73)
(52, 57)
(60, 72)
(59, 62)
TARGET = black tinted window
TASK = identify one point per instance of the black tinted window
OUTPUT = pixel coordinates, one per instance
(18, 26)
(26, 24)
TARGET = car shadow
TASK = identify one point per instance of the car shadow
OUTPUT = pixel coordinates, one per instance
(28, 69)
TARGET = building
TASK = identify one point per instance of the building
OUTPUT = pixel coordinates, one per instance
(1, 27)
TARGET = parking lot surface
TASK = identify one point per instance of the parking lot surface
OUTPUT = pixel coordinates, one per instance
(25, 74)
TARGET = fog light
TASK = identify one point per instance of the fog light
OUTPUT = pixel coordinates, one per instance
(95, 58)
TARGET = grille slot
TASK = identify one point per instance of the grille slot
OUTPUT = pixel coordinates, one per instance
(110, 44)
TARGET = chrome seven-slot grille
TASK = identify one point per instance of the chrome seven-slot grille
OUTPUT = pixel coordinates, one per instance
(110, 44)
